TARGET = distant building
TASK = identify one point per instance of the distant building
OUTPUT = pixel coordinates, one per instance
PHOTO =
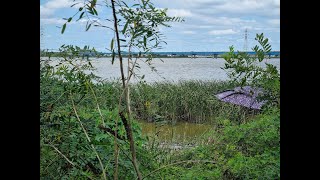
(172, 55)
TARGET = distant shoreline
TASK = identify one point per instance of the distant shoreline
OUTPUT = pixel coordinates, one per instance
(272, 54)
(174, 57)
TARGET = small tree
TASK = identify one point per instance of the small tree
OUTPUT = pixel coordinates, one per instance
(243, 69)
(140, 32)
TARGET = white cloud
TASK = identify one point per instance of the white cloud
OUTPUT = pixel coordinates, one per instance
(222, 32)
(235, 7)
(51, 6)
(274, 22)
(204, 26)
(247, 27)
(44, 11)
(188, 32)
(56, 21)
(57, 4)
(179, 13)
(276, 2)
(265, 8)
(242, 6)
(224, 20)
(225, 16)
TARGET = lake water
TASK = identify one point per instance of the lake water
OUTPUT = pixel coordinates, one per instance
(179, 133)
(170, 69)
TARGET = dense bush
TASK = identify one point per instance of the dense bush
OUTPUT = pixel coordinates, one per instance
(252, 150)
(247, 151)
(73, 143)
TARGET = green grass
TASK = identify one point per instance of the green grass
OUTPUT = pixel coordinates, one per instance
(250, 150)
(191, 101)
(241, 145)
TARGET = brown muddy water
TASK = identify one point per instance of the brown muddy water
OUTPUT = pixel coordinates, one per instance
(178, 133)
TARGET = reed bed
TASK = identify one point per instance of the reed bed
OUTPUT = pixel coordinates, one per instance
(191, 101)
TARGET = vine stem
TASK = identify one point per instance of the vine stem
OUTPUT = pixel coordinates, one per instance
(69, 161)
(88, 138)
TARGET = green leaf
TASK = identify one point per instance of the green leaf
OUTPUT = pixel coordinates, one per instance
(125, 4)
(74, 4)
(80, 9)
(63, 28)
(144, 4)
(125, 27)
(91, 11)
(265, 41)
(151, 7)
(137, 35)
(145, 41)
(81, 15)
(70, 18)
(95, 11)
(111, 44)
(88, 27)
(113, 55)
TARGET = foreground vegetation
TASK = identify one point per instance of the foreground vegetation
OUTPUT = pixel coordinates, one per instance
(230, 150)
(242, 144)
(88, 128)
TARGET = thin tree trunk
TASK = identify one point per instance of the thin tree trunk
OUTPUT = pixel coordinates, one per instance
(127, 85)
(116, 148)
(125, 122)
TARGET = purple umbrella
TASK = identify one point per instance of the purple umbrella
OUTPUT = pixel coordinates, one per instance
(243, 96)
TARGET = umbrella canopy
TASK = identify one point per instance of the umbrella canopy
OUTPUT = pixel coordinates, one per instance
(244, 96)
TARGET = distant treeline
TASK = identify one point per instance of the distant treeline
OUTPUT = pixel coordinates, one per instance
(275, 54)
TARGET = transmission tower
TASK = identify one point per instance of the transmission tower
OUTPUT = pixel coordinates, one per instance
(41, 37)
(245, 46)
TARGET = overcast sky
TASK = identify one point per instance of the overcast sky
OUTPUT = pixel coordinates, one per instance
(210, 25)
